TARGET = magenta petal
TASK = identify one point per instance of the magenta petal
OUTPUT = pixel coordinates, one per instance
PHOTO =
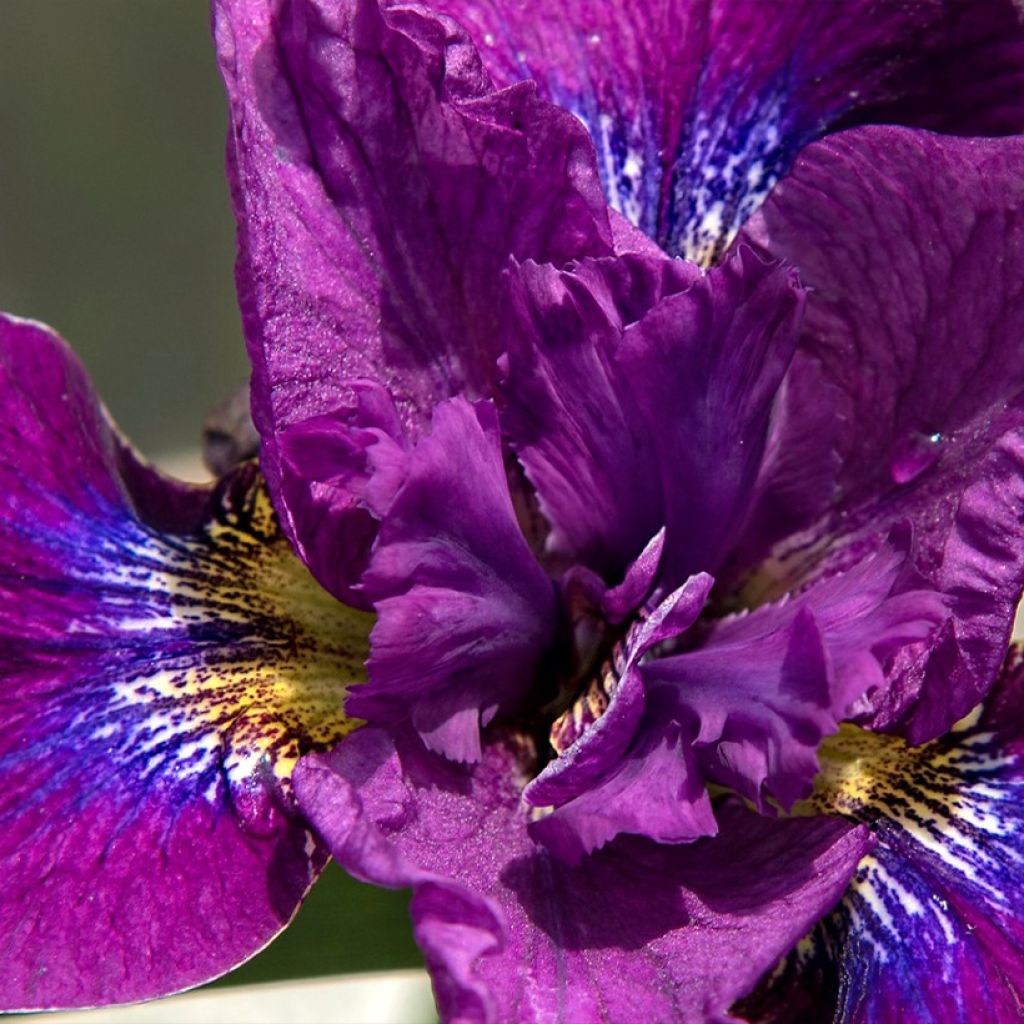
(380, 185)
(465, 610)
(636, 932)
(165, 658)
(910, 246)
(698, 107)
(930, 930)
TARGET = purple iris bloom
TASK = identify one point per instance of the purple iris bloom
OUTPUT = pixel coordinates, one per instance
(654, 466)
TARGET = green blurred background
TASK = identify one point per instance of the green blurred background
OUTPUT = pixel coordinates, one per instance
(115, 229)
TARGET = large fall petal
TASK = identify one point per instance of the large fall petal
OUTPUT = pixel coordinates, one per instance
(165, 660)
(930, 929)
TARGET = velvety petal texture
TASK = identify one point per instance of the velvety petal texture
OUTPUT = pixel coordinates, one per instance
(380, 185)
(698, 107)
(637, 932)
(931, 929)
(165, 660)
(639, 395)
(911, 246)
(465, 612)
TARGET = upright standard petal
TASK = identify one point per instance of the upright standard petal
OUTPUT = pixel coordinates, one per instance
(639, 395)
(165, 660)
(466, 613)
(380, 185)
(698, 107)
(911, 245)
(569, 411)
(931, 928)
(637, 932)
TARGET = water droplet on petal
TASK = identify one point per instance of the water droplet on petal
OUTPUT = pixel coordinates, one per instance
(913, 455)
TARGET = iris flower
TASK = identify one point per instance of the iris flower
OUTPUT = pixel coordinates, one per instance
(633, 549)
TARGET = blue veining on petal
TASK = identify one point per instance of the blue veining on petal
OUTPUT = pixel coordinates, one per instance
(931, 929)
(202, 661)
(628, 155)
(728, 163)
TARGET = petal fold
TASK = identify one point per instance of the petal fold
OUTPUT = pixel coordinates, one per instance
(165, 660)
(637, 931)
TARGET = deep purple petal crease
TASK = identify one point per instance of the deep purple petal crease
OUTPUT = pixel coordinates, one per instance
(637, 931)
(380, 185)
(698, 107)
(910, 245)
(465, 611)
(165, 660)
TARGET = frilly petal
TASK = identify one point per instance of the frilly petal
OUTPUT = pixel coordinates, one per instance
(465, 612)
(745, 706)
(639, 395)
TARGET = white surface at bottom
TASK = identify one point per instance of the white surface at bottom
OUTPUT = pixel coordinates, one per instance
(386, 997)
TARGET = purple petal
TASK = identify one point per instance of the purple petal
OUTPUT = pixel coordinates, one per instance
(595, 802)
(705, 367)
(796, 482)
(165, 660)
(589, 743)
(910, 245)
(930, 930)
(340, 473)
(640, 395)
(465, 610)
(637, 932)
(380, 185)
(698, 108)
(746, 708)
(763, 689)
